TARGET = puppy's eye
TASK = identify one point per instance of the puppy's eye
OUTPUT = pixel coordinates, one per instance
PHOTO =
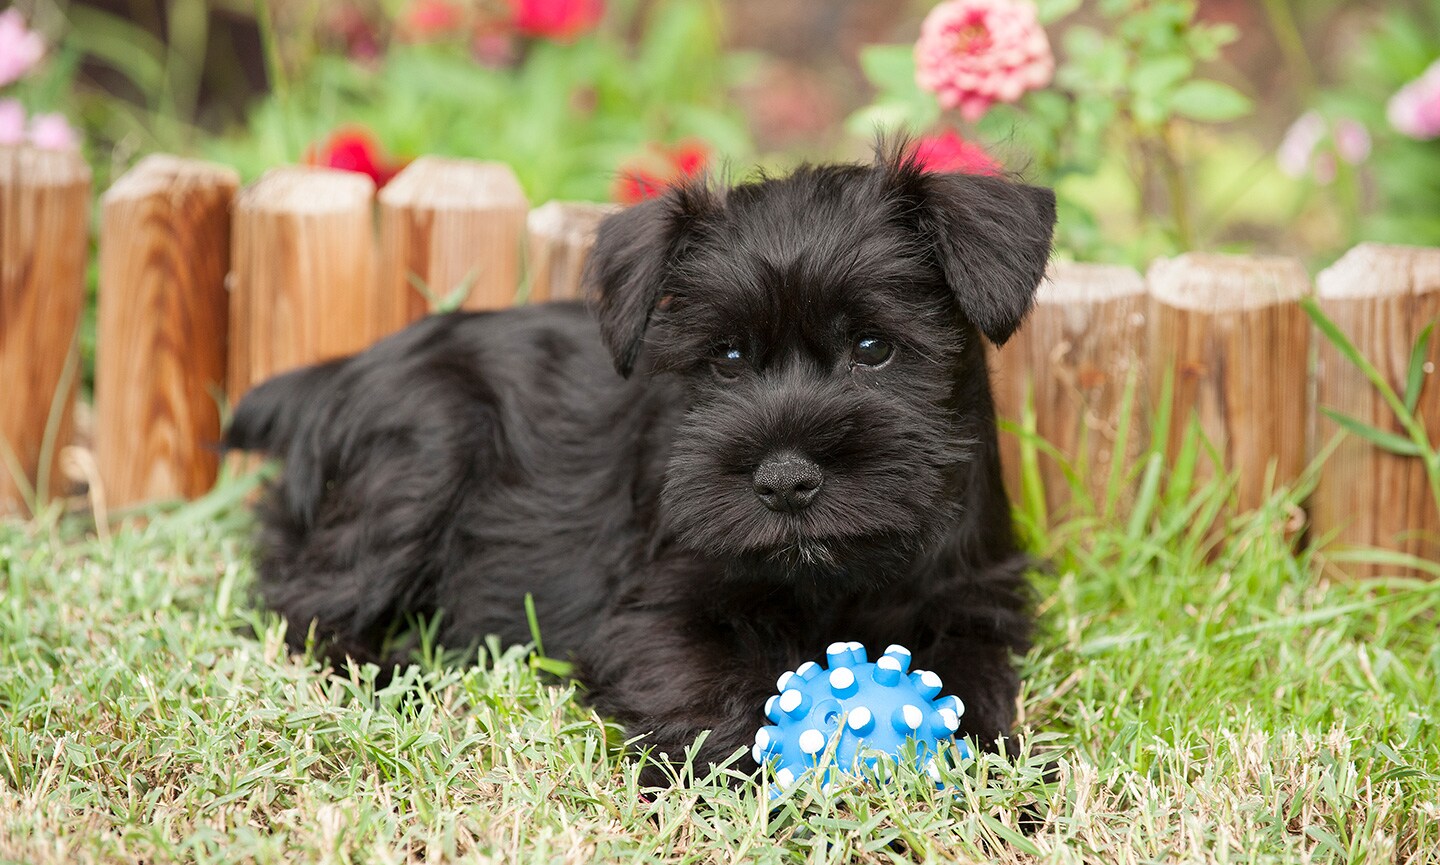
(729, 360)
(870, 351)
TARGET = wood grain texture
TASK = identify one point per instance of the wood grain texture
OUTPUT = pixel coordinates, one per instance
(560, 235)
(44, 243)
(448, 222)
(1082, 343)
(163, 322)
(1381, 297)
(303, 285)
(1230, 333)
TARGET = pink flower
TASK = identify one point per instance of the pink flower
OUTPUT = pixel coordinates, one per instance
(1414, 110)
(20, 47)
(1352, 140)
(556, 19)
(974, 53)
(1312, 144)
(53, 132)
(12, 121)
(1297, 148)
(949, 152)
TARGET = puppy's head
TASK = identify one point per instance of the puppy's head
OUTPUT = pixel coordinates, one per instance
(827, 327)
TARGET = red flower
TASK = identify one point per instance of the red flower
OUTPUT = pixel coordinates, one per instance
(948, 152)
(353, 149)
(648, 176)
(428, 19)
(556, 19)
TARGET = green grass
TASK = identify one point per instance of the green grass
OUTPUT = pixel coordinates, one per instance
(1219, 703)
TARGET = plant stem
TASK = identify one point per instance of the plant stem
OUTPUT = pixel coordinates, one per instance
(1292, 44)
(1175, 187)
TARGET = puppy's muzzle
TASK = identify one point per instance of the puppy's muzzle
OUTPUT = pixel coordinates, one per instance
(787, 482)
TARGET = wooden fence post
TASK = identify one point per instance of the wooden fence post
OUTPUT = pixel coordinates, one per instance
(163, 317)
(1081, 347)
(303, 282)
(561, 234)
(448, 222)
(1381, 297)
(1230, 334)
(44, 244)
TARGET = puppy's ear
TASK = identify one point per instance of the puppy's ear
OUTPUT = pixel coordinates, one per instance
(635, 251)
(992, 239)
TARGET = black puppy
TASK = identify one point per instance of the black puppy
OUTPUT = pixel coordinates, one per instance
(798, 448)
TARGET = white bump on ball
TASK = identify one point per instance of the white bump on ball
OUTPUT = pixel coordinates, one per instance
(784, 680)
(888, 663)
(959, 705)
(951, 720)
(933, 770)
(758, 753)
(913, 716)
(827, 788)
(859, 718)
(842, 678)
(785, 778)
(812, 741)
(770, 704)
(854, 645)
(762, 738)
(790, 700)
(930, 679)
(803, 671)
(897, 649)
(835, 648)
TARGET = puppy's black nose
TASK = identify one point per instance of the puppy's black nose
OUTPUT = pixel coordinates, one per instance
(787, 482)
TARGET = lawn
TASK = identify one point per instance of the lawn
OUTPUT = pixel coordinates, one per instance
(1204, 702)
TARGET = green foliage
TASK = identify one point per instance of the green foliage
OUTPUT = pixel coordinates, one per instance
(1416, 442)
(565, 118)
(1122, 110)
(899, 103)
(1407, 179)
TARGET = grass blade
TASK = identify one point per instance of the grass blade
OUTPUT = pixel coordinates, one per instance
(1415, 375)
(1395, 444)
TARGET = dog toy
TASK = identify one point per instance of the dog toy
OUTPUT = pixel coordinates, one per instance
(854, 712)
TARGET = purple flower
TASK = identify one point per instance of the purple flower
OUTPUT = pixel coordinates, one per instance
(1414, 110)
(20, 47)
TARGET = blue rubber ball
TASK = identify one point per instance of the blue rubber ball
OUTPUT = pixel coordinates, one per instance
(852, 712)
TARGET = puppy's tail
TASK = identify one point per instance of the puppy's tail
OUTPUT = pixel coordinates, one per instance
(269, 416)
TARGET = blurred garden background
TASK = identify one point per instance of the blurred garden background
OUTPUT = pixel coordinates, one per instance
(1274, 125)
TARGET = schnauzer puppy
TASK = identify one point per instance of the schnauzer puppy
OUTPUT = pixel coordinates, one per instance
(774, 431)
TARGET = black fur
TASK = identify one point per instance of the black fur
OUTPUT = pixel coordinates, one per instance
(475, 458)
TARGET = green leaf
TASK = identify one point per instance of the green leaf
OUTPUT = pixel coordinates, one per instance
(890, 115)
(891, 68)
(1415, 378)
(123, 46)
(1160, 74)
(1380, 438)
(1210, 101)
(1050, 11)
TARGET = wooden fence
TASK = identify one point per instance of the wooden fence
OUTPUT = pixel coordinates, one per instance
(206, 288)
